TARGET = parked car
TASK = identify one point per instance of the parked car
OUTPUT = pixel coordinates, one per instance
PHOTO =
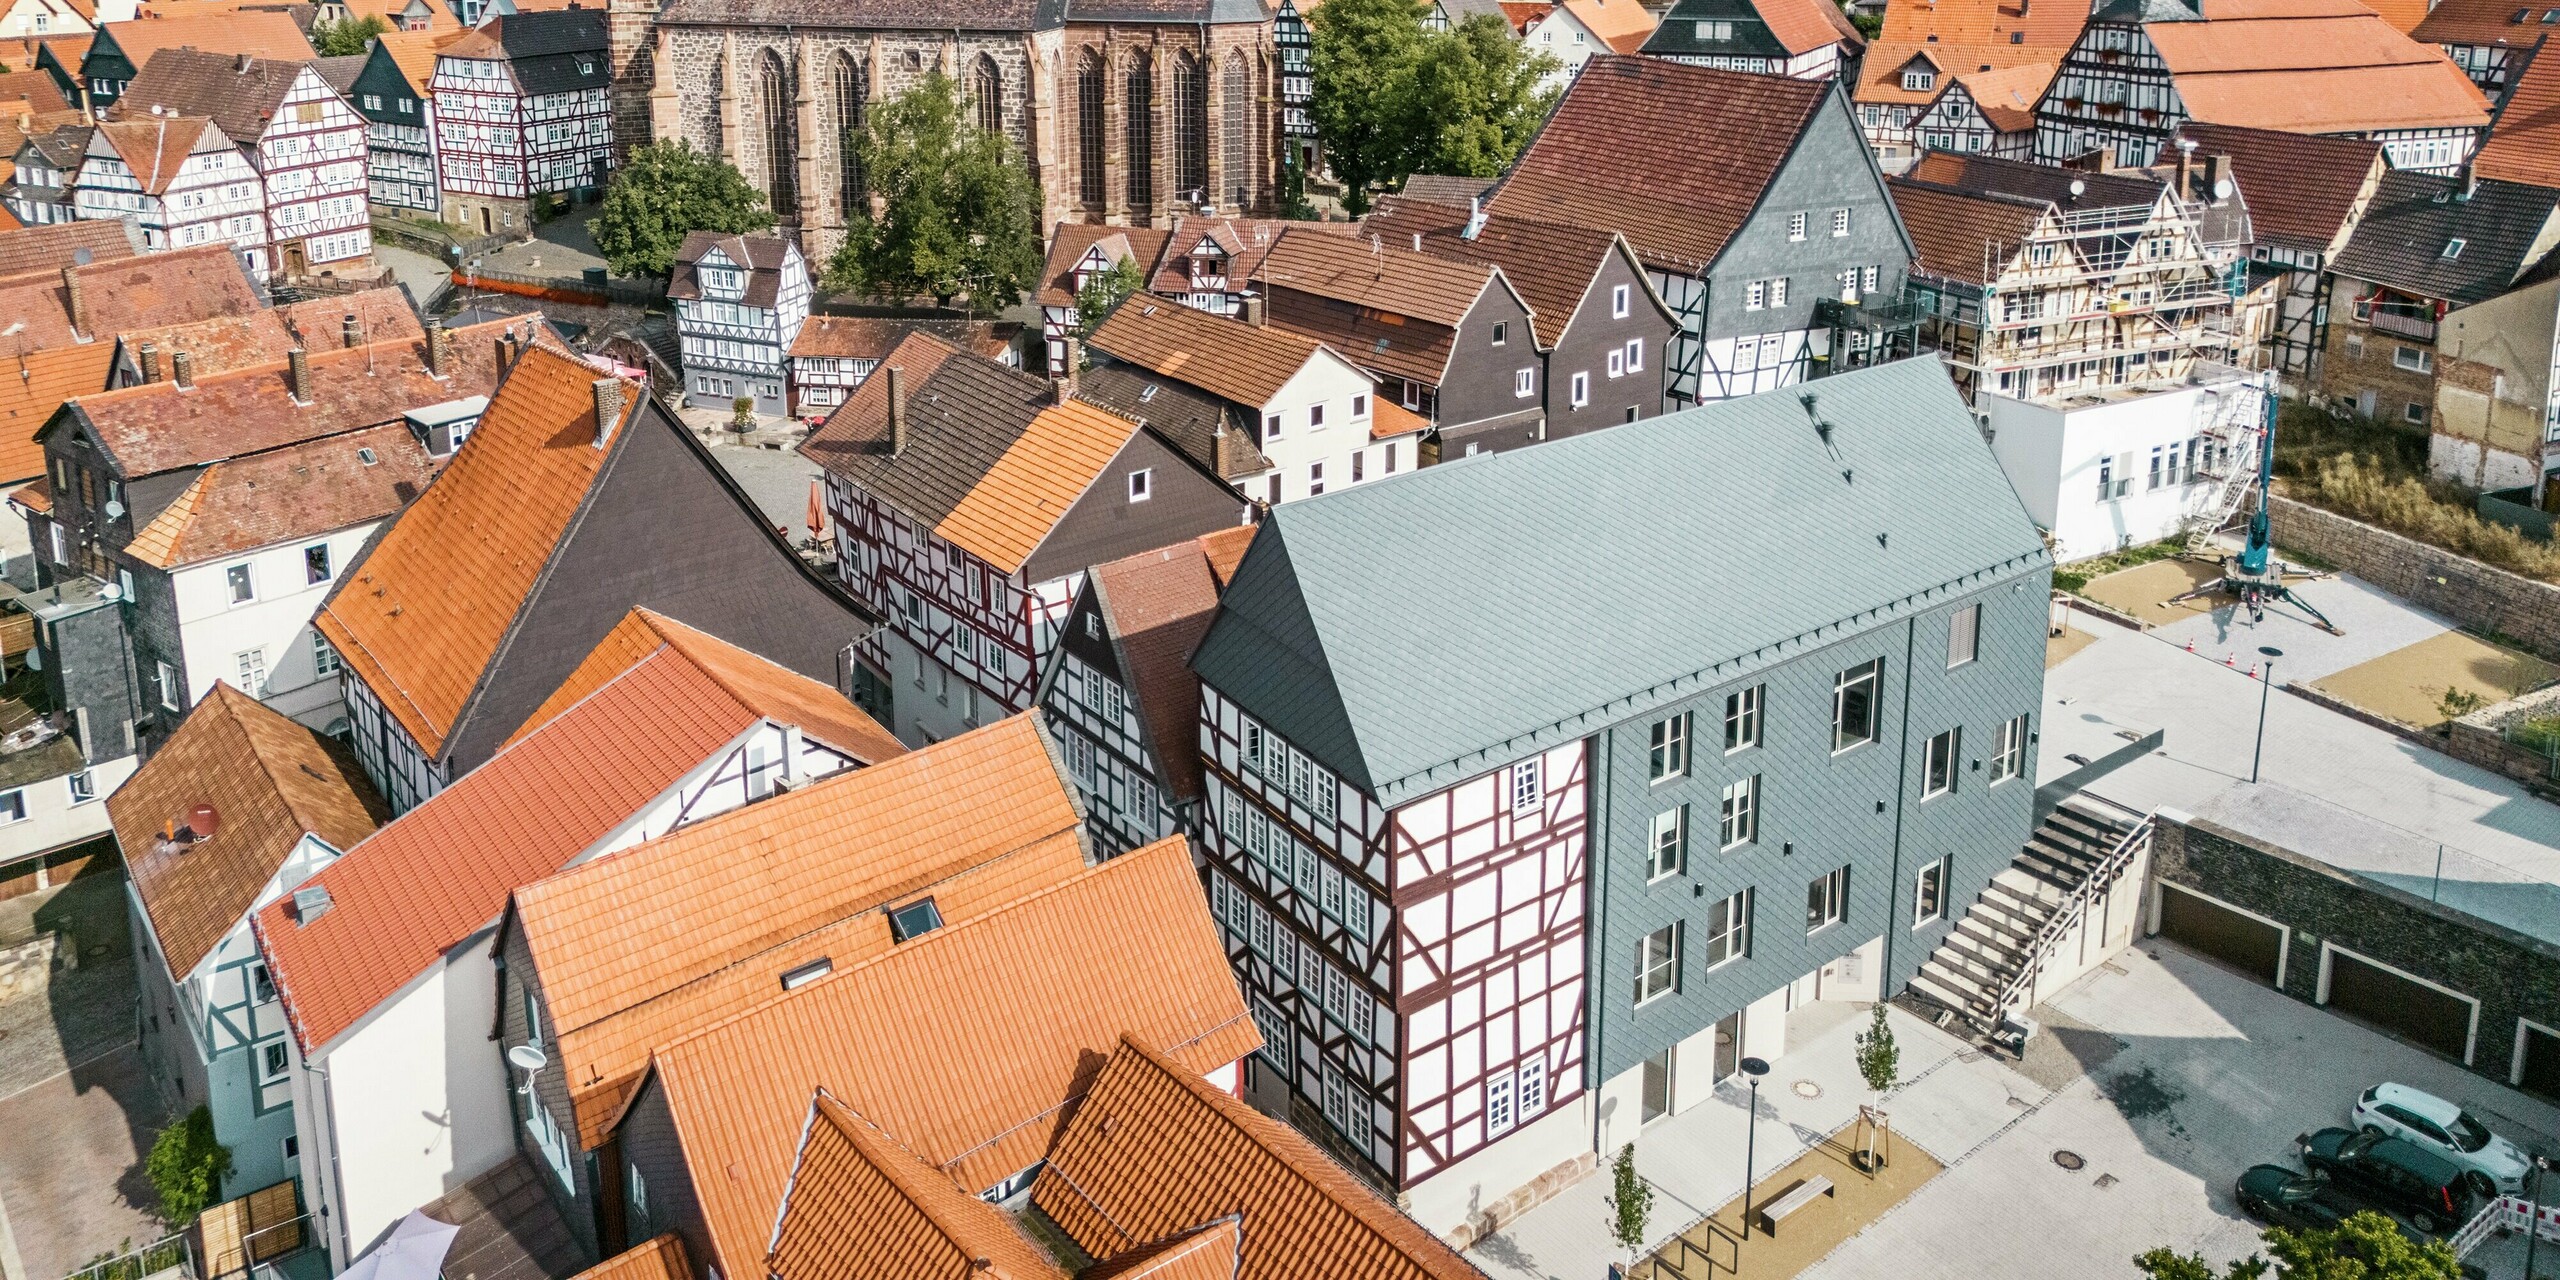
(2281, 1197)
(2445, 1129)
(2434, 1193)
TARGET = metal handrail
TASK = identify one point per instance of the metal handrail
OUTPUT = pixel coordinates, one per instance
(168, 1251)
(2100, 880)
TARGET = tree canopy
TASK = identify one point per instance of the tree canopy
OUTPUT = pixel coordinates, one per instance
(2367, 1246)
(664, 192)
(1394, 98)
(347, 38)
(186, 1166)
(957, 212)
(1102, 291)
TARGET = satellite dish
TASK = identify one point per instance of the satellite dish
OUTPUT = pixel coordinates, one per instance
(114, 510)
(111, 592)
(2222, 188)
(2079, 188)
(81, 257)
(527, 1058)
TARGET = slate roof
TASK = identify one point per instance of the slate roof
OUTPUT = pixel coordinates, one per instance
(1155, 1152)
(241, 101)
(300, 491)
(2302, 189)
(50, 247)
(62, 145)
(974, 821)
(1990, 175)
(175, 287)
(546, 49)
(1963, 235)
(1674, 157)
(1314, 636)
(761, 255)
(2504, 226)
(1155, 607)
(975, 1078)
(2524, 142)
(857, 1203)
(444, 869)
(271, 782)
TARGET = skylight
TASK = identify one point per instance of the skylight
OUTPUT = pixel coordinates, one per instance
(914, 920)
(2453, 248)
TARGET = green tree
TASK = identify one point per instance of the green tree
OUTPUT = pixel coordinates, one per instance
(1630, 1197)
(2367, 1246)
(1879, 1058)
(1361, 50)
(1103, 291)
(1471, 99)
(348, 38)
(958, 214)
(664, 192)
(187, 1166)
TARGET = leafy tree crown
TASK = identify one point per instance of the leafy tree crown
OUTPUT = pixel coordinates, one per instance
(957, 213)
(187, 1166)
(665, 192)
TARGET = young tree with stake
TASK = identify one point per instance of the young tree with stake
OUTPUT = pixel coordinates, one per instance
(1630, 1203)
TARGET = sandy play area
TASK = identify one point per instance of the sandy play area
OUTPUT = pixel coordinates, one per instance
(2407, 684)
(2061, 647)
(1717, 1249)
(2143, 590)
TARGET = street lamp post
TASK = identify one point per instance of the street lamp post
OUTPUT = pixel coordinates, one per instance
(2533, 1216)
(1754, 1068)
(2259, 755)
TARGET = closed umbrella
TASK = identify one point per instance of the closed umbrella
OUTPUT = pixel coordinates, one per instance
(414, 1251)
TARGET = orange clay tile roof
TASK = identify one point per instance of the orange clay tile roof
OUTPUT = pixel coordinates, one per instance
(858, 1204)
(1248, 364)
(661, 1258)
(2007, 96)
(154, 427)
(258, 33)
(975, 1076)
(36, 497)
(1155, 1150)
(224, 343)
(758, 683)
(2524, 144)
(444, 869)
(440, 19)
(1156, 605)
(1013, 508)
(32, 387)
(30, 91)
(1211, 1252)
(1067, 245)
(2311, 66)
(296, 492)
(270, 781)
(1246, 242)
(422, 615)
(50, 247)
(1806, 25)
(156, 148)
(1226, 549)
(127, 293)
(1962, 37)
(626, 963)
(1521, 13)
(414, 52)
(2518, 26)
(1393, 421)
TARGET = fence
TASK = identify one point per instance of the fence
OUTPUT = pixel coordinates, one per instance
(166, 1253)
(2514, 508)
(2506, 1213)
(260, 1227)
(433, 240)
(583, 290)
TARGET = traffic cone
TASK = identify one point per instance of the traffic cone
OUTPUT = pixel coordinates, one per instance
(2253, 670)
(2191, 644)
(2227, 660)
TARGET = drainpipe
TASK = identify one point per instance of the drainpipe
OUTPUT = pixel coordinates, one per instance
(1901, 804)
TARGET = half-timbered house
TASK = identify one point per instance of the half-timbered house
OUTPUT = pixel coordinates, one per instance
(1119, 694)
(1492, 927)
(2488, 39)
(42, 186)
(1305, 419)
(179, 180)
(2523, 144)
(1806, 39)
(1986, 113)
(306, 145)
(833, 354)
(521, 112)
(1208, 263)
(740, 301)
(612, 505)
(1295, 45)
(1758, 218)
(399, 116)
(2305, 195)
(2141, 68)
(968, 500)
(1926, 45)
(120, 50)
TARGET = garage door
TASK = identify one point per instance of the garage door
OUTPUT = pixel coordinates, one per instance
(2437, 1019)
(2244, 942)
(2539, 1072)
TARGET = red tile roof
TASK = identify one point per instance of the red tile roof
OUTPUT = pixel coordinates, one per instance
(1803, 26)
(1248, 364)
(975, 1076)
(48, 248)
(872, 337)
(2482, 22)
(1156, 606)
(2007, 96)
(42, 381)
(2304, 192)
(175, 287)
(859, 1204)
(1963, 235)
(1067, 245)
(258, 33)
(296, 492)
(2311, 66)
(1211, 1252)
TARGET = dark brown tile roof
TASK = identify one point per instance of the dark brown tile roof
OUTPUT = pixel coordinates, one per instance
(242, 100)
(30, 91)
(963, 413)
(1398, 309)
(1446, 188)
(2509, 22)
(122, 294)
(1248, 364)
(1674, 157)
(299, 491)
(2302, 190)
(1067, 245)
(1963, 235)
(1178, 411)
(761, 255)
(1155, 1151)
(872, 337)
(1990, 175)
(1246, 241)
(2414, 217)
(270, 781)
(1552, 264)
(1157, 605)
(859, 1204)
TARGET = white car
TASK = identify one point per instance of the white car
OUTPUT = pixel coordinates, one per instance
(2443, 1128)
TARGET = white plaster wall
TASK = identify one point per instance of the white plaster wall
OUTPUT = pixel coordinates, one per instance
(53, 821)
(214, 632)
(1446, 1200)
(2453, 458)
(1327, 381)
(2027, 439)
(2052, 454)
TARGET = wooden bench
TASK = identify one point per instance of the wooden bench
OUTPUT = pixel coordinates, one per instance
(1799, 1196)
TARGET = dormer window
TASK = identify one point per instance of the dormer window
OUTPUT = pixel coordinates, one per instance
(727, 282)
(2453, 248)
(1919, 81)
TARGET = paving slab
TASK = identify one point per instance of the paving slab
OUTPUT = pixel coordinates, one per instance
(71, 1177)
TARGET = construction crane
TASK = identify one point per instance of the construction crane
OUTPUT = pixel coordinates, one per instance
(2254, 576)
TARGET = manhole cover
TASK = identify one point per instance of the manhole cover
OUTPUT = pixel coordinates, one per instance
(2070, 1160)
(1807, 1089)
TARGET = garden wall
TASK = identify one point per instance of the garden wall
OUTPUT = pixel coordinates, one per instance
(2465, 590)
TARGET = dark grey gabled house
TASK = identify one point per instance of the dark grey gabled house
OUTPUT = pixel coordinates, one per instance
(1677, 726)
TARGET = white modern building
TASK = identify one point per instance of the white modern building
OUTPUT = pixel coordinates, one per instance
(2119, 466)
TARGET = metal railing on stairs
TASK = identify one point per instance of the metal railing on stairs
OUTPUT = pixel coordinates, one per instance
(2074, 909)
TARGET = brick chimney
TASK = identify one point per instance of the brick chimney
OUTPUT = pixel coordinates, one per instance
(1075, 357)
(182, 370)
(297, 375)
(1252, 313)
(506, 352)
(897, 409)
(242, 62)
(350, 331)
(439, 349)
(78, 298)
(609, 403)
(150, 362)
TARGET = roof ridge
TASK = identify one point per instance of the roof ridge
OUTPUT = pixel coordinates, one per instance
(276, 783)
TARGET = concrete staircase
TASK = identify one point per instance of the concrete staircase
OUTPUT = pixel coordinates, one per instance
(1992, 954)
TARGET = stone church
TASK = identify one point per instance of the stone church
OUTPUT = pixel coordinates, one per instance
(1129, 111)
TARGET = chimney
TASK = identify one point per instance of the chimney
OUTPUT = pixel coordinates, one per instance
(1475, 218)
(2186, 168)
(351, 332)
(897, 410)
(78, 298)
(439, 349)
(1253, 309)
(182, 370)
(242, 62)
(1222, 451)
(608, 408)
(506, 352)
(297, 374)
(150, 362)
(1075, 357)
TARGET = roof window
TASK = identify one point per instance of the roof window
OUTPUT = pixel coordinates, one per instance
(367, 456)
(802, 975)
(914, 920)
(2453, 248)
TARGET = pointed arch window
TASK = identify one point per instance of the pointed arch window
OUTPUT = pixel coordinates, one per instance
(1139, 103)
(853, 94)
(1092, 125)
(781, 150)
(986, 93)
(1190, 121)
(1236, 132)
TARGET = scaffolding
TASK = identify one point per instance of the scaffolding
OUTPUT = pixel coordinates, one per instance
(2229, 421)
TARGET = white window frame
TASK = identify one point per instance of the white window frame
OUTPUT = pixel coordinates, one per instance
(1662, 963)
(1635, 355)
(1796, 225)
(2011, 759)
(1928, 907)
(240, 583)
(1499, 1114)
(1528, 788)
(1738, 814)
(1668, 750)
(1742, 718)
(1871, 673)
(1580, 393)
(1840, 227)
(1621, 298)
(1833, 888)
(1142, 484)
(1667, 849)
(1940, 760)
(1524, 383)
(1736, 936)
(81, 786)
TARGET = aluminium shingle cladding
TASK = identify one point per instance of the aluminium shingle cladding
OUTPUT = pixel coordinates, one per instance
(1412, 631)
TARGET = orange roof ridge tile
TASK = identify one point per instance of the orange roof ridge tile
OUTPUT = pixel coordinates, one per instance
(1213, 1250)
(859, 1202)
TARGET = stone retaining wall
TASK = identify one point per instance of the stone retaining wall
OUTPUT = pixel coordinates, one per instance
(2465, 590)
(2481, 738)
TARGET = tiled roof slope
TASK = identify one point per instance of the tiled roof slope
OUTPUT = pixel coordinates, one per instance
(1225, 550)
(2007, 96)
(156, 149)
(853, 442)
(2302, 190)
(976, 1078)
(44, 379)
(30, 91)
(1552, 264)
(870, 338)
(242, 101)
(258, 33)
(1803, 26)
(1371, 273)
(175, 287)
(860, 1204)
(2505, 228)
(1248, 364)
(1445, 188)
(225, 343)
(760, 255)
(1246, 242)
(1314, 635)
(270, 781)
(623, 950)
(1992, 175)
(1674, 157)
(1181, 413)
(2311, 66)
(1013, 509)
(1158, 604)
(1963, 235)
(1067, 245)
(444, 869)
(1212, 1252)
(1962, 37)
(300, 491)
(661, 1258)
(2524, 143)
(153, 427)
(2481, 22)
(51, 247)
(421, 616)
(1154, 1151)
(414, 52)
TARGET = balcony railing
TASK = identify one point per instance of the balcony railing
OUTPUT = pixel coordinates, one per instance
(2420, 328)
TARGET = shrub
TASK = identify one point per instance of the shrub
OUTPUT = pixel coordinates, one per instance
(2458, 702)
(187, 1166)
(2362, 487)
